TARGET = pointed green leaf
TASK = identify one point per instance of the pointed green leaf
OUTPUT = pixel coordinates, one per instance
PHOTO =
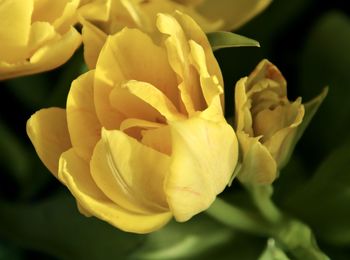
(273, 252)
(220, 40)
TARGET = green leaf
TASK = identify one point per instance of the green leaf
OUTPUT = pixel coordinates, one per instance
(311, 108)
(324, 201)
(220, 40)
(184, 240)
(55, 226)
(273, 252)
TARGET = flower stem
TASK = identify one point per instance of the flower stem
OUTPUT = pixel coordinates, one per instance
(237, 218)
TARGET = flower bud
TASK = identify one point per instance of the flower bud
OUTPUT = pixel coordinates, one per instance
(266, 123)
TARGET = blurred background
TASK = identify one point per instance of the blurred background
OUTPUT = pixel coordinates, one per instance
(309, 40)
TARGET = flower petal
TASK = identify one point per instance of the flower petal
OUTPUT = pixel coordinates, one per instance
(84, 127)
(47, 130)
(15, 26)
(243, 116)
(280, 143)
(46, 58)
(132, 55)
(204, 155)
(210, 85)
(150, 9)
(75, 172)
(194, 32)
(154, 97)
(258, 165)
(68, 18)
(130, 173)
(93, 39)
(234, 12)
(179, 58)
(266, 70)
(15, 22)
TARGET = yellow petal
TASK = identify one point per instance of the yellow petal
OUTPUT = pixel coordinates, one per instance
(204, 155)
(209, 84)
(136, 127)
(46, 58)
(15, 24)
(130, 173)
(266, 70)
(234, 12)
(158, 138)
(243, 115)
(47, 130)
(132, 55)
(258, 165)
(154, 97)
(47, 10)
(150, 9)
(268, 122)
(96, 10)
(93, 39)
(68, 18)
(41, 33)
(134, 122)
(83, 124)
(132, 107)
(195, 33)
(280, 143)
(75, 172)
(179, 58)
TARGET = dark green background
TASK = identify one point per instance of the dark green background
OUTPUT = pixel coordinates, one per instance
(309, 40)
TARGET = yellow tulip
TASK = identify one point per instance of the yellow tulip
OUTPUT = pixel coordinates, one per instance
(266, 123)
(36, 35)
(143, 138)
(105, 17)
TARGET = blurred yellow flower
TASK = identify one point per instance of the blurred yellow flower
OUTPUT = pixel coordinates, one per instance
(266, 123)
(143, 137)
(105, 17)
(36, 35)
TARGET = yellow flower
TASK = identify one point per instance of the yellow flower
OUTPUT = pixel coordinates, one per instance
(143, 137)
(266, 123)
(104, 17)
(36, 35)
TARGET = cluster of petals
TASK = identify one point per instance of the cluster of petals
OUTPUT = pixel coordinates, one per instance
(36, 35)
(39, 35)
(143, 137)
